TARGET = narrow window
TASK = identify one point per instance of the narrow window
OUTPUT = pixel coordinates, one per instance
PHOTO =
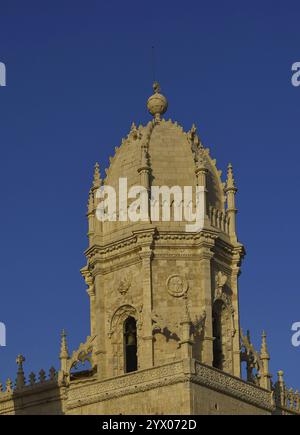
(218, 351)
(130, 345)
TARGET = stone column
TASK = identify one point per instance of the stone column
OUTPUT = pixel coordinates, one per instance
(238, 253)
(205, 271)
(236, 347)
(100, 328)
(92, 204)
(146, 350)
(231, 190)
(186, 342)
(91, 293)
(89, 280)
(201, 175)
(144, 172)
(91, 217)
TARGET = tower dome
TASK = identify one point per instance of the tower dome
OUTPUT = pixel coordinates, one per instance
(159, 154)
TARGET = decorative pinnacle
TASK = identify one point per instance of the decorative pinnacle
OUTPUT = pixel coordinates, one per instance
(64, 353)
(20, 381)
(230, 183)
(157, 104)
(134, 133)
(97, 178)
(20, 360)
(280, 377)
(9, 385)
(264, 349)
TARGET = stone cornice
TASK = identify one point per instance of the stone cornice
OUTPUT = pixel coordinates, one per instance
(159, 244)
(232, 386)
(168, 374)
(142, 380)
(148, 238)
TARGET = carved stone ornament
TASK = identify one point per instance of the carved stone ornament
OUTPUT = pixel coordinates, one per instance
(121, 314)
(221, 295)
(177, 285)
(221, 280)
(125, 284)
(83, 353)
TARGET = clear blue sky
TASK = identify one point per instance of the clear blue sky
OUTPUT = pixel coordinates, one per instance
(78, 74)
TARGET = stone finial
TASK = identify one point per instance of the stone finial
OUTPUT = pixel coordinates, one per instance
(97, 182)
(193, 131)
(64, 353)
(134, 133)
(281, 390)
(280, 377)
(194, 138)
(157, 104)
(97, 177)
(264, 349)
(9, 386)
(42, 376)
(231, 190)
(32, 379)
(20, 360)
(20, 381)
(265, 358)
(52, 374)
(230, 183)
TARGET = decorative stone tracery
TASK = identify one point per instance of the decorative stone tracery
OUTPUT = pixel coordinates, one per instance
(116, 333)
(82, 354)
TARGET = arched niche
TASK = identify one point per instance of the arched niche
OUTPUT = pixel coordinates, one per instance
(222, 334)
(119, 325)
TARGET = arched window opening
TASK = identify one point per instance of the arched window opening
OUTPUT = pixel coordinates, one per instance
(219, 335)
(130, 345)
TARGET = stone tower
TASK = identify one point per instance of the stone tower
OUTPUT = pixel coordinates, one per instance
(179, 288)
(164, 312)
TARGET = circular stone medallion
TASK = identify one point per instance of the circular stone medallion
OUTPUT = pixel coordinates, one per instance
(177, 286)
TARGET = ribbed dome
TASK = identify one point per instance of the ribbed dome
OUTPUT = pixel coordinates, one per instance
(171, 159)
